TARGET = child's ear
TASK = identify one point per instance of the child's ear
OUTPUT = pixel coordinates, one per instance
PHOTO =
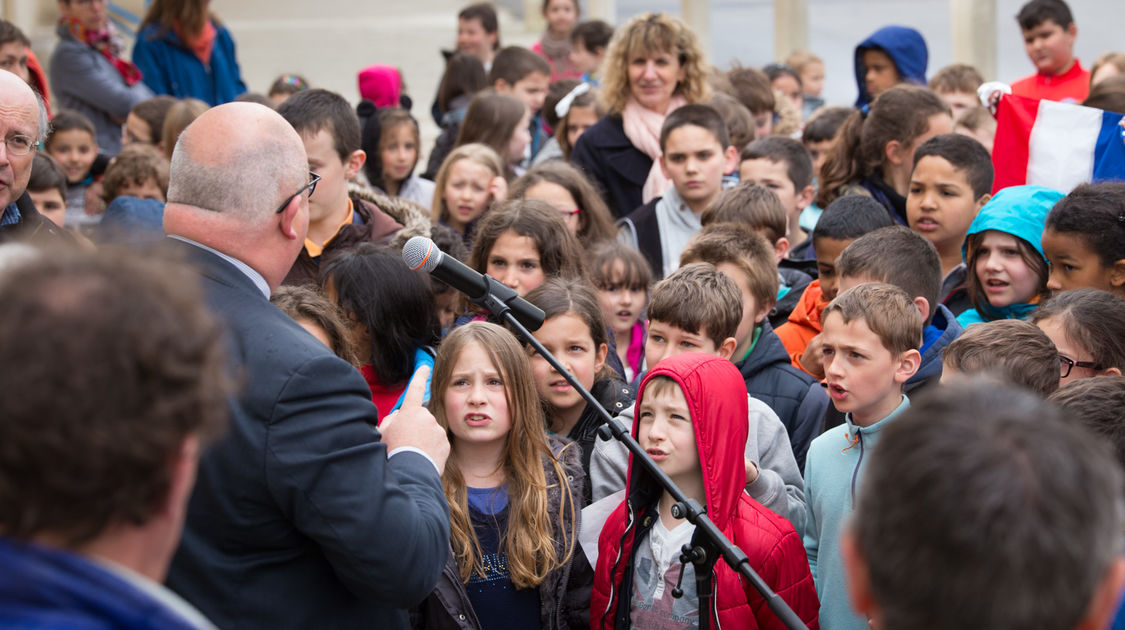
(981, 201)
(501, 86)
(726, 349)
(923, 307)
(763, 310)
(805, 196)
(354, 162)
(908, 364)
(1117, 276)
(663, 166)
(730, 160)
(599, 358)
(894, 152)
(781, 248)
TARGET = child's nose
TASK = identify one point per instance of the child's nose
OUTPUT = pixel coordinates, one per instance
(1053, 283)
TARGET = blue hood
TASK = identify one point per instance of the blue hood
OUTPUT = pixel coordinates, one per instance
(1017, 210)
(904, 45)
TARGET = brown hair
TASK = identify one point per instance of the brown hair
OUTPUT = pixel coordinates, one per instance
(306, 303)
(1096, 404)
(1116, 59)
(750, 205)
(594, 219)
(798, 59)
(1013, 349)
(153, 111)
(485, 13)
(188, 16)
(141, 361)
(738, 119)
(742, 247)
(636, 272)
(514, 64)
(560, 254)
(135, 165)
(653, 33)
(179, 116)
(901, 113)
(561, 296)
(957, 77)
(695, 298)
(474, 152)
(1093, 319)
(491, 120)
(464, 75)
(588, 99)
(899, 256)
(1032, 258)
(886, 309)
(752, 88)
(529, 537)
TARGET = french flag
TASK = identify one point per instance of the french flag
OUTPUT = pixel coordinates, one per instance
(1058, 145)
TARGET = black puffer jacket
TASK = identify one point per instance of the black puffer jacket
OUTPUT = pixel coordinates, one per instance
(564, 597)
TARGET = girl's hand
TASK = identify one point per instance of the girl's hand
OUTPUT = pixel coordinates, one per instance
(498, 188)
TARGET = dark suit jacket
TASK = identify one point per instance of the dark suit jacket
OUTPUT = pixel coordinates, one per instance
(610, 160)
(298, 519)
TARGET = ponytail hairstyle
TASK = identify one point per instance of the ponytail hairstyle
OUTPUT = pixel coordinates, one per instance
(529, 539)
(595, 222)
(901, 113)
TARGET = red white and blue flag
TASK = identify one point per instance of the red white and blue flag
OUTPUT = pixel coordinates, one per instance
(1058, 145)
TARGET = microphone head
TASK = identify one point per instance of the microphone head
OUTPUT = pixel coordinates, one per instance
(421, 253)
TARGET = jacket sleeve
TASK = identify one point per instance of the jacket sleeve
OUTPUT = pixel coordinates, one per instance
(81, 75)
(787, 574)
(144, 55)
(382, 524)
(609, 463)
(810, 418)
(779, 486)
(586, 158)
(811, 535)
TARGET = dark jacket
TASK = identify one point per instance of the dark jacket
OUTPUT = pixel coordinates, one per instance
(944, 324)
(49, 589)
(797, 281)
(615, 396)
(34, 228)
(298, 519)
(170, 67)
(797, 398)
(774, 550)
(377, 219)
(564, 596)
(644, 224)
(906, 48)
(610, 160)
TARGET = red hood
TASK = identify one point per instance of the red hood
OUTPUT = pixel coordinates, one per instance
(716, 396)
(807, 311)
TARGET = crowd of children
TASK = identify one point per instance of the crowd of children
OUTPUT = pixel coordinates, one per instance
(706, 246)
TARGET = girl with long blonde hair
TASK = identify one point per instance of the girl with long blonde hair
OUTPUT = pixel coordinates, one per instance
(512, 488)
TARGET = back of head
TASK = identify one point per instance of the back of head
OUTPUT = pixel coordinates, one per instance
(989, 473)
(181, 114)
(698, 297)
(464, 75)
(851, 217)
(751, 205)
(824, 123)
(308, 304)
(966, 155)
(896, 255)
(142, 362)
(901, 114)
(560, 254)
(696, 115)
(787, 151)
(1108, 94)
(288, 84)
(737, 245)
(887, 310)
(653, 33)
(398, 311)
(1011, 349)
(1098, 404)
(1095, 214)
(752, 87)
(313, 111)
(514, 63)
(1093, 319)
(957, 77)
(738, 119)
(490, 120)
(1037, 12)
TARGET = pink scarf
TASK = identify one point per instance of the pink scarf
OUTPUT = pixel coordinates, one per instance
(642, 127)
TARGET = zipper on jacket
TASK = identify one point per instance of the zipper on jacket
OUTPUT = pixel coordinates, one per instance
(855, 471)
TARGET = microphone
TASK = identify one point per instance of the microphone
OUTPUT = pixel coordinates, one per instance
(482, 290)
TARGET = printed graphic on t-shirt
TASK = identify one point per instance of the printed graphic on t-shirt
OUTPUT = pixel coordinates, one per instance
(656, 570)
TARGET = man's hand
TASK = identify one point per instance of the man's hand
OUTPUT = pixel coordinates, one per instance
(813, 360)
(413, 425)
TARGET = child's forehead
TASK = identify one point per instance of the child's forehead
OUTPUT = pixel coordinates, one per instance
(940, 165)
(664, 390)
(73, 135)
(1045, 26)
(852, 333)
(691, 137)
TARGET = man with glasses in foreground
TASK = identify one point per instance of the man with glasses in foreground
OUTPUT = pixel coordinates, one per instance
(303, 515)
(23, 123)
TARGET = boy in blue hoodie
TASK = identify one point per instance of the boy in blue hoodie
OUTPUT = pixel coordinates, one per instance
(870, 349)
(903, 258)
(889, 56)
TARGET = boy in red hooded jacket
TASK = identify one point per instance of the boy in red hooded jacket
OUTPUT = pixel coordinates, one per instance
(687, 414)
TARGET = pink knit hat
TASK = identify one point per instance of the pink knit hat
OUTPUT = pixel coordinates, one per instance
(381, 85)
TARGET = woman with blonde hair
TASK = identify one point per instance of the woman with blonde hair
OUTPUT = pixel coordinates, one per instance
(514, 494)
(183, 50)
(654, 65)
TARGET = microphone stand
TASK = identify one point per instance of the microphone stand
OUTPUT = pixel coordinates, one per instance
(708, 543)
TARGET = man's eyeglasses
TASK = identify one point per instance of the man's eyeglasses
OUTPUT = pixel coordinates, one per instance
(311, 187)
(20, 144)
(1067, 364)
